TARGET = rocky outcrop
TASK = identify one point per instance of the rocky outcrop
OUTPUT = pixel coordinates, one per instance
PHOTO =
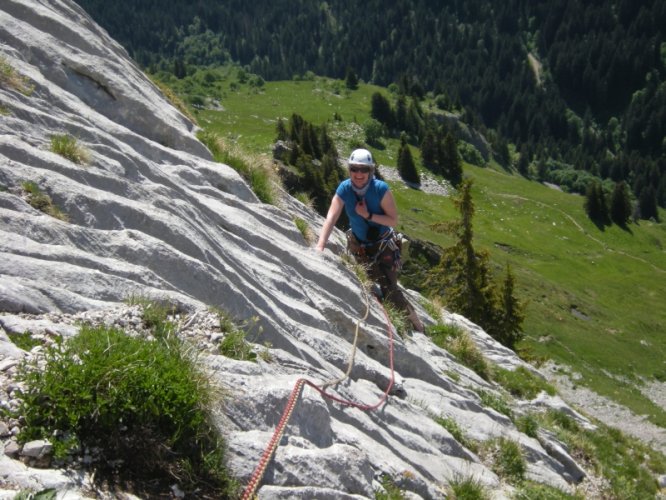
(149, 214)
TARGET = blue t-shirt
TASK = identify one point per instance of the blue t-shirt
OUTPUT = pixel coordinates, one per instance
(373, 198)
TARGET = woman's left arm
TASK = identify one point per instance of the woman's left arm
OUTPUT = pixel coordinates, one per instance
(390, 216)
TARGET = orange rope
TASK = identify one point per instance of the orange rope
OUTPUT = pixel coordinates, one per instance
(258, 474)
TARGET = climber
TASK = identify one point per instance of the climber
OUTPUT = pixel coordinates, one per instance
(373, 214)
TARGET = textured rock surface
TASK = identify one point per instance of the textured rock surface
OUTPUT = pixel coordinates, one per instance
(152, 215)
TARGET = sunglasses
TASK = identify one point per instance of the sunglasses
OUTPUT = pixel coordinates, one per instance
(363, 170)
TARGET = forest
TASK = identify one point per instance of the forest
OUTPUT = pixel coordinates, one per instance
(574, 91)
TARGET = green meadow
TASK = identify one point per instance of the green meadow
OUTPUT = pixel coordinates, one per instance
(595, 297)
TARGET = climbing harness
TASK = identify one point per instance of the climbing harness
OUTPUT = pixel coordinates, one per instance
(258, 473)
(376, 251)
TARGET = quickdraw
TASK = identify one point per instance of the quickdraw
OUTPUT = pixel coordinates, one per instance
(259, 471)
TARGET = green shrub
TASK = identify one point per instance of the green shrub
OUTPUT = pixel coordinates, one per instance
(47, 494)
(41, 201)
(68, 147)
(522, 383)
(23, 340)
(141, 404)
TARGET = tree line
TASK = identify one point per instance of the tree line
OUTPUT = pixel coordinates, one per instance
(596, 104)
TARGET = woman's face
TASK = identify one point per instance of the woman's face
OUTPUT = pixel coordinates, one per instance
(359, 175)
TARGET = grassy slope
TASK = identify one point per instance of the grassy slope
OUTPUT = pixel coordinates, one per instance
(595, 298)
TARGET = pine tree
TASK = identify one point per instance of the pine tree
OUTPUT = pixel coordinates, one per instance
(464, 280)
(281, 130)
(620, 209)
(647, 203)
(462, 277)
(351, 79)
(429, 151)
(406, 166)
(381, 110)
(452, 168)
(508, 325)
(595, 203)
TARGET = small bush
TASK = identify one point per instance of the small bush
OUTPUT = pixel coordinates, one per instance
(23, 340)
(41, 201)
(522, 383)
(141, 404)
(68, 147)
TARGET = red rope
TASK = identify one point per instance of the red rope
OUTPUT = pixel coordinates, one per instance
(251, 487)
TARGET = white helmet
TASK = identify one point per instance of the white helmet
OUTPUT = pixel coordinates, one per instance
(361, 157)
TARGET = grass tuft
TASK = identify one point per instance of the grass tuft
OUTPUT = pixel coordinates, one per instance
(522, 383)
(41, 201)
(306, 231)
(12, 79)
(467, 488)
(234, 344)
(459, 343)
(258, 172)
(68, 147)
(506, 459)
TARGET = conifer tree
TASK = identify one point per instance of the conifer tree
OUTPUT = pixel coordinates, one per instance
(429, 151)
(595, 203)
(381, 110)
(508, 328)
(620, 209)
(647, 203)
(462, 277)
(464, 280)
(406, 166)
(281, 130)
(351, 79)
(451, 165)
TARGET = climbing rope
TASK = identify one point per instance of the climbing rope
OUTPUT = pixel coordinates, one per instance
(350, 364)
(258, 474)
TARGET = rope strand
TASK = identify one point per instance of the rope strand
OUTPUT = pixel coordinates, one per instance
(265, 459)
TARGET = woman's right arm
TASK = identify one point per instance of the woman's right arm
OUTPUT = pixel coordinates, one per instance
(332, 217)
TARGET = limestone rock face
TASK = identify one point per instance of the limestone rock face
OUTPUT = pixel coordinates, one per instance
(149, 214)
